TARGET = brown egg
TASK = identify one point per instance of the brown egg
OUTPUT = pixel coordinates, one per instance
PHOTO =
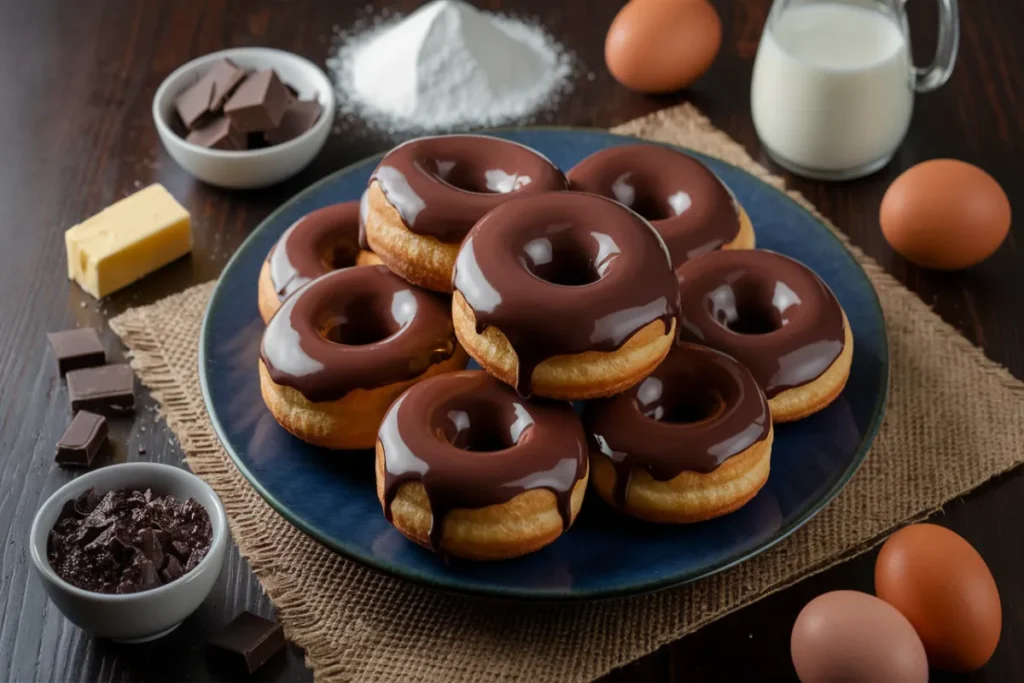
(940, 583)
(945, 214)
(856, 638)
(662, 45)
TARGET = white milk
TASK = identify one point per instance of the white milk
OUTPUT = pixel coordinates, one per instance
(832, 89)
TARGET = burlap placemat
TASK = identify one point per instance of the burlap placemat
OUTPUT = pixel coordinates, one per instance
(937, 442)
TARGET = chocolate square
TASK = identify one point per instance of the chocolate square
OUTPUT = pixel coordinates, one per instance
(258, 103)
(226, 76)
(209, 93)
(194, 103)
(109, 389)
(75, 349)
(247, 643)
(298, 118)
(82, 440)
(218, 134)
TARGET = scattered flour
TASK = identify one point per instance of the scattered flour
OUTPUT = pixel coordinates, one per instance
(448, 66)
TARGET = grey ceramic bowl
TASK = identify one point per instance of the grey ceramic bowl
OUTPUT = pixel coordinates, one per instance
(133, 617)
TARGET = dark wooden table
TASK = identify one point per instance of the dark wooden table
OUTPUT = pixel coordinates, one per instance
(76, 134)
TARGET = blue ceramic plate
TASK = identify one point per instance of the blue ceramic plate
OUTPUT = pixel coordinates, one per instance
(331, 496)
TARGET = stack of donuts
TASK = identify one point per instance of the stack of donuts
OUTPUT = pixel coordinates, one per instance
(629, 285)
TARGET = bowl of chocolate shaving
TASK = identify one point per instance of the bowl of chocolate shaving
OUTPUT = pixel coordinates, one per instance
(128, 551)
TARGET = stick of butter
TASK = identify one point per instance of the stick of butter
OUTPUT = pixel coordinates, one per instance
(127, 241)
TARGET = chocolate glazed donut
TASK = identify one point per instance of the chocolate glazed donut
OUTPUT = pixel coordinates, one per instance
(466, 467)
(566, 295)
(426, 194)
(692, 210)
(691, 442)
(319, 242)
(776, 317)
(344, 346)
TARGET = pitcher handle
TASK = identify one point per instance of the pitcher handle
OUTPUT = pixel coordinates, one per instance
(935, 74)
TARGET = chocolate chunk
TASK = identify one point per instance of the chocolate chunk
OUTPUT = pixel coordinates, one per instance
(150, 547)
(125, 541)
(172, 571)
(226, 76)
(298, 118)
(247, 643)
(76, 349)
(82, 440)
(209, 93)
(258, 104)
(218, 133)
(109, 389)
(193, 105)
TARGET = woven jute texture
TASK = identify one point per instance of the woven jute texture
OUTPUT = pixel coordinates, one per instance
(954, 420)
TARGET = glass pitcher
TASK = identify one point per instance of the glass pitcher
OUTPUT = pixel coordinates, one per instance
(833, 85)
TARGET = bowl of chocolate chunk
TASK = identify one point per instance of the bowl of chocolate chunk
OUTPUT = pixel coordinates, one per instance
(128, 551)
(245, 117)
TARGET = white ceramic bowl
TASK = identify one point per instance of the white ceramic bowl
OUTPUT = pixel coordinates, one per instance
(142, 616)
(249, 168)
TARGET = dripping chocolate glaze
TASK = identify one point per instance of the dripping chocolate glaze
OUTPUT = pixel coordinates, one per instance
(472, 442)
(565, 273)
(441, 186)
(769, 312)
(686, 203)
(319, 242)
(695, 411)
(357, 328)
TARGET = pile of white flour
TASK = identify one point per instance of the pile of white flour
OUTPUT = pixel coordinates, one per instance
(448, 66)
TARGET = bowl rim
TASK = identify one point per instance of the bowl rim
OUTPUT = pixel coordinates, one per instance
(160, 472)
(163, 93)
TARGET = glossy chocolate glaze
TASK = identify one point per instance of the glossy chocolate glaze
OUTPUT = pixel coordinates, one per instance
(686, 203)
(472, 442)
(441, 186)
(356, 328)
(695, 411)
(767, 311)
(319, 242)
(564, 273)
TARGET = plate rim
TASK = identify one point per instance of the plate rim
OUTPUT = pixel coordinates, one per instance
(546, 595)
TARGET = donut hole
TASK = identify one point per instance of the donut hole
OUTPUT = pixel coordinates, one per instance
(683, 400)
(471, 176)
(752, 306)
(358, 323)
(561, 260)
(338, 256)
(484, 428)
(652, 208)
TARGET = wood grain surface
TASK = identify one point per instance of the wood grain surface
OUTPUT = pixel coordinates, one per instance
(76, 134)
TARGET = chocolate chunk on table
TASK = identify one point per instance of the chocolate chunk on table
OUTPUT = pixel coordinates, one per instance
(298, 118)
(109, 389)
(76, 349)
(82, 440)
(209, 93)
(247, 642)
(218, 133)
(258, 104)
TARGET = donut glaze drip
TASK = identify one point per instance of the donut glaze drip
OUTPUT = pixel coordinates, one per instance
(769, 312)
(441, 186)
(319, 242)
(357, 328)
(472, 442)
(686, 203)
(695, 411)
(565, 273)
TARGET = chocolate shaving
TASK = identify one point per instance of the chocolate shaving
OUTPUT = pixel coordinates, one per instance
(128, 540)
